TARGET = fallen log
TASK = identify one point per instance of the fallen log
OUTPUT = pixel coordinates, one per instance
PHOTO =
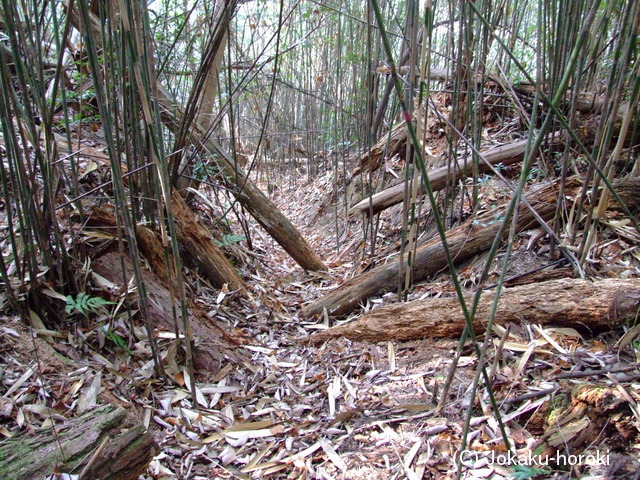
(391, 144)
(213, 346)
(123, 455)
(103, 217)
(465, 241)
(504, 154)
(202, 248)
(567, 302)
(191, 234)
(247, 193)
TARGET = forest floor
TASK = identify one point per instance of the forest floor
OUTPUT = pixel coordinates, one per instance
(344, 409)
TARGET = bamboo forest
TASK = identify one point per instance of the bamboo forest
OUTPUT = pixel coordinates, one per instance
(319, 239)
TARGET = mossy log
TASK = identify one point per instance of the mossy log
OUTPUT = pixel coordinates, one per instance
(94, 439)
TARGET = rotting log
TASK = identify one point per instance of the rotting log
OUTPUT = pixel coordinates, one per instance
(390, 145)
(123, 455)
(103, 217)
(568, 302)
(465, 241)
(587, 418)
(628, 190)
(246, 192)
(213, 346)
(504, 154)
(201, 246)
(196, 239)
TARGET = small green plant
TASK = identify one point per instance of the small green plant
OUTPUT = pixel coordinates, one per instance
(118, 341)
(84, 304)
(499, 218)
(230, 239)
(483, 179)
(522, 472)
(205, 171)
(534, 173)
(105, 332)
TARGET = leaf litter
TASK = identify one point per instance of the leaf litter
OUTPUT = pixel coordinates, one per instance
(281, 409)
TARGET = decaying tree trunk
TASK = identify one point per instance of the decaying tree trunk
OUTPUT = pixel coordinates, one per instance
(93, 439)
(191, 234)
(202, 247)
(628, 190)
(505, 154)
(103, 217)
(213, 346)
(465, 241)
(587, 418)
(392, 144)
(247, 193)
(567, 302)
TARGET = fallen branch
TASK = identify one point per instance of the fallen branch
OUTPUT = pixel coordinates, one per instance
(576, 303)
(440, 177)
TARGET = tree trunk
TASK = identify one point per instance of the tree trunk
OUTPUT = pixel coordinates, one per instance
(567, 302)
(191, 234)
(465, 241)
(202, 247)
(124, 455)
(505, 154)
(249, 195)
(393, 144)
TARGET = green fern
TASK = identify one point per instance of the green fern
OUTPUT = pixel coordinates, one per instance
(230, 239)
(84, 304)
(524, 472)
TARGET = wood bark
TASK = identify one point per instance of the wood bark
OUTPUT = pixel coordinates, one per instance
(196, 239)
(582, 304)
(103, 217)
(393, 144)
(124, 456)
(213, 346)
(201, 246)
(628, 190)
(595, 413)
(465, 241)
(585, 103)
(246, 192)
(440, 177)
